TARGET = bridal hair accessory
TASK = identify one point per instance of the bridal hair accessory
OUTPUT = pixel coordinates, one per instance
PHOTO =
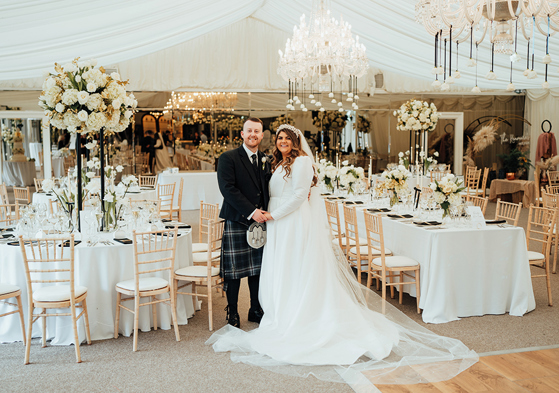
(290, 127)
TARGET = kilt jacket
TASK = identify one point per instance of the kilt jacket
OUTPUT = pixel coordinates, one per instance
(242, 189)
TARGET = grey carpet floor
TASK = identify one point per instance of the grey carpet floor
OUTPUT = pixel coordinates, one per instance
(164, 365)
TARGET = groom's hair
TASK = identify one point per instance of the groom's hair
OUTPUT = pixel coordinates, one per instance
(254, 120)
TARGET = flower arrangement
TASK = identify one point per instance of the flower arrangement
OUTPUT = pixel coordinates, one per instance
(404, 159)
(327, 173)
(219, 150)
(283, 119)
(330, 120)
(394, 181)
(204, 149)
(349, 176)
(362, 124)
(115, 198)
(415, 115)
(447, 192)
(7, 135)
(237, 142)
(82, 98)
(515, 161)
(430, 161)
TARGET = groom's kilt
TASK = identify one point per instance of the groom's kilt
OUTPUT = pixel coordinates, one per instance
(238, 259)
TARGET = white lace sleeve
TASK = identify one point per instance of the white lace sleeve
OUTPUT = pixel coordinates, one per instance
(301, 176)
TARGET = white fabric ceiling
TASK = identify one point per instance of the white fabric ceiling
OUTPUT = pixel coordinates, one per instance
(225, 45)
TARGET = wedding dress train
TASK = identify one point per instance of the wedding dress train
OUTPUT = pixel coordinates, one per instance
(317, 319)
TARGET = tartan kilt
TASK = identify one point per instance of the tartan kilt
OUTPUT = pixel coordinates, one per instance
(238, 259)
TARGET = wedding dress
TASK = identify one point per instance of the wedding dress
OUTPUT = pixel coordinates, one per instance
(317, 319)
(162, 158)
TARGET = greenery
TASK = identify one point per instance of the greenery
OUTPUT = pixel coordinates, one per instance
(515, 161)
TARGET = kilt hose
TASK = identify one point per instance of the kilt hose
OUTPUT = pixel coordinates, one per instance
(238, 259)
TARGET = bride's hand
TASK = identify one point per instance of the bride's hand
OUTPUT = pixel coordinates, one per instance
(268, 216)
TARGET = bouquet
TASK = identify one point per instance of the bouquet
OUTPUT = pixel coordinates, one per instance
(330, 120)
(447, 192)
(404, 159)
(349, 176)
(394, 181)
(416, 115)
(82, 98)
(327, 173)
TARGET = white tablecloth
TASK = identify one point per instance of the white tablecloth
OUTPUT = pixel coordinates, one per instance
(58, 166)
(19, 174)
(198, 186)
(464, 272)
(34, 149)
(98, 268)
(41, 197)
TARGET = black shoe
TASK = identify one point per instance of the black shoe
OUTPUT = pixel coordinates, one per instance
(255, 315)
(233, 319)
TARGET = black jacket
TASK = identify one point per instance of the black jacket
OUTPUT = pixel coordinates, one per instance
(239, 185)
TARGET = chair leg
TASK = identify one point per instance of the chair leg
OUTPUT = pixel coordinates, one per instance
(20, 310)
(86, 319)
(136, 321)
(383, 296)
(194, 297)
(117, 316)
(174, 315)
(391, 281)
(154, 312)
(44, 322)
(29, 331)
(76, 338)
(369, 278)
(548, 282)
(210, 303)
(401, 287)
(417, 290)
(555, 254)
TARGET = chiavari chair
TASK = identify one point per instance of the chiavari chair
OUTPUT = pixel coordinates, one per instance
(177, 209)
(22, 195)
(38, 184)
(208, 212)
(551, 201)
(154, 252)
(9, 214)
(8, 291)
(552, 189)
(553, 178)
(333, 216)
(479, 201)
(508, 211)
(356, 247)
(147, 181)
(166, 194)
(4, 194)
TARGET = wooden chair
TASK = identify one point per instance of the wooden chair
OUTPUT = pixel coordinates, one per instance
(182, 162)
(551, 201)
(508, 211)
(479, 201)
(356, 255)
(471, 182)
(147, 181)
(208, 212)
(4, 200)
(541, 222)
(178, 208)
(166, 194)
(483, 185)
(333, 216)
(22, 195)
(38, 184)
(9, 214)
(48, 261)
(438, 175)
(8, 291)
(386, 268)
(552, 189)
(553, 178)
(205, 271)
(156, 247)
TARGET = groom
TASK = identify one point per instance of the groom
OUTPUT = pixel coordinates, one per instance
(243, 176)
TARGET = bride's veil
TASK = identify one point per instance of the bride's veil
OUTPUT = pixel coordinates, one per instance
(420, 355)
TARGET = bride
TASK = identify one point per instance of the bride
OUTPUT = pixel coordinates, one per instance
(162, 158)
(317, 318)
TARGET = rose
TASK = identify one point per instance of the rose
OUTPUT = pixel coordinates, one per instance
(70, 97)
(91, 87)
(82, 115)
(48, 185)
(83, 96)
(59, 107)
(119, 168)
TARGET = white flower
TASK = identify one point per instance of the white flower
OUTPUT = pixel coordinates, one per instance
(59, 107)
(70, 97)
(346, 162)
(400, 154)
(90, 175)
(83, 96)
(119, 168)
(78, 78)
(70, 67)
(94, 186)
(91, 87)
(94, 102)
(93, 62)
(90, 146)
(128, 114)
(48, 185)
(115, 76)
(82, 115)
(109, 197)
(436, 154)
(129, 180)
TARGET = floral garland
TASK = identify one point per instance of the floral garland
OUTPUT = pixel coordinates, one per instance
(330, 120)
(283, 119)
(415, 115)
(82, 98)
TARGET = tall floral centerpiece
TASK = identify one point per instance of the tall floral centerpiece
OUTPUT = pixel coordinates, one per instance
(81, 99)
(394, 181)
(115, 197)
(350, 176)
(447, 192)
(330, 120)
(283, 119)
(327, 174)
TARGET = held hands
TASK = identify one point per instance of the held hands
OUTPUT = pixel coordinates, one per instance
(261, 216)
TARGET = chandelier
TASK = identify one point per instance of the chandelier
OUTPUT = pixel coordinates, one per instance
(201, 101)
(322, 57)
(501, 22)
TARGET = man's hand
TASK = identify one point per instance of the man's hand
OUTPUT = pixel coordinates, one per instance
(259, 215)
(268, 216)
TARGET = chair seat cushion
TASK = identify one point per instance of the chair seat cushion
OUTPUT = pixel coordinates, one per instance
(199, 247)
(198, 257)
(8, 288)
(145, 284)
(364, 250)
(534, 256)
(57, 293)
(396, 261)
(196, 271)
(362, 242)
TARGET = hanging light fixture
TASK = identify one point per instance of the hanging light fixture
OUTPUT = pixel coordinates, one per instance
(204, 101)
(498, 21)
(322, 58)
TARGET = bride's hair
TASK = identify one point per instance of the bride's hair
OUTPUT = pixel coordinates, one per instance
(296, 151)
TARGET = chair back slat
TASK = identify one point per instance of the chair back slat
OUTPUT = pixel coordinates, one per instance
(333, 216)
(147, 181)
(375, 236)
(351, 227)
(479, 201)
(166, 194)
(208, 211)
(541, 221)
(9, 214)
(22, 195)
(4, 200)
(508, 211)
(552, 189)
(553, 178)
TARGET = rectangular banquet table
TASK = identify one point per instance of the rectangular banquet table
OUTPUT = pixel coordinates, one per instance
(520, 190)
(98, 268)
(198, 186)
(464, 271)
(19, 173)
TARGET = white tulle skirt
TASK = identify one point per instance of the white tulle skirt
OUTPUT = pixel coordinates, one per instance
(318, 320)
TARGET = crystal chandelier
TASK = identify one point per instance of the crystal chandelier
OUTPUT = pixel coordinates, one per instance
(204, 101)
(501, 22)
(322, 57)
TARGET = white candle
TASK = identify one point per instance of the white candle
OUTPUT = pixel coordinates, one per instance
(370, 166)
